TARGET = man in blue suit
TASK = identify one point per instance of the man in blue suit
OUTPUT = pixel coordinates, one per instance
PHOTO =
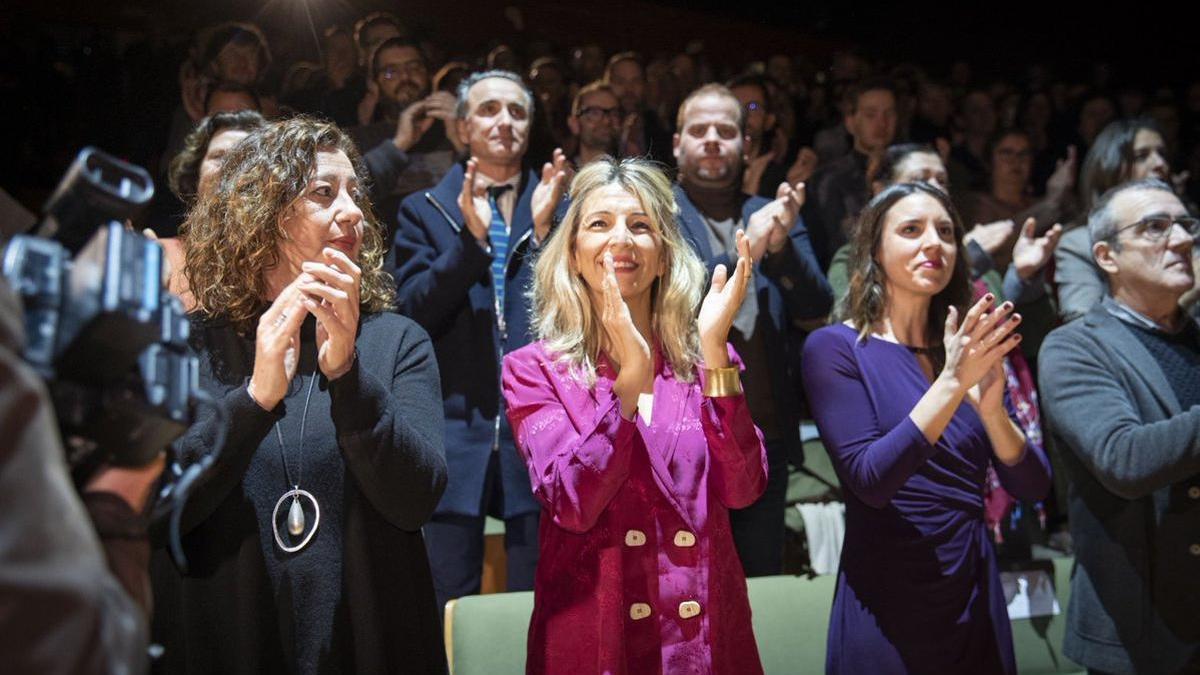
(789, 289)
(464, 252)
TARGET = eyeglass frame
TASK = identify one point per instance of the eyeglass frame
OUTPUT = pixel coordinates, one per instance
(412, 67)
(613, 112)
(1189, 224)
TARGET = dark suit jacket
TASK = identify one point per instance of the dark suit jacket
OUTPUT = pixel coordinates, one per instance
(1134, 467)
(791, 286)
(444, 282)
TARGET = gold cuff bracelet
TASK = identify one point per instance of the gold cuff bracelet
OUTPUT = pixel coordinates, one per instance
(722, 381)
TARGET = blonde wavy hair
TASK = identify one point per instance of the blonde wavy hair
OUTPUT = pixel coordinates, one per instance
(231, 236)
(563, 315)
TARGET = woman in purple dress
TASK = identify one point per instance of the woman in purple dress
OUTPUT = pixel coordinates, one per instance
(908, 395)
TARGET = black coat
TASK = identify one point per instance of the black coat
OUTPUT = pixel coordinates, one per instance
(444, 282)
(359, 597)
(1133, 459)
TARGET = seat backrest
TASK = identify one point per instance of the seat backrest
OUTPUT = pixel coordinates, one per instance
(486, 634)
(791, 619)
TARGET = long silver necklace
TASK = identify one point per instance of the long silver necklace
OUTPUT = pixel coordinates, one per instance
(295, 519)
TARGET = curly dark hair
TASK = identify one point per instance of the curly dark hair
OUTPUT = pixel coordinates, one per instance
(184, 174)
(866, 300)
(231, 236)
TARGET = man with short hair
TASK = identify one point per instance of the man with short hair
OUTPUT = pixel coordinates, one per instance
(463, 256)
(1121, 393)
(420, 125)
(788, 286)
(839, 190)
(644, 134)
(764, 171)
(595, 123)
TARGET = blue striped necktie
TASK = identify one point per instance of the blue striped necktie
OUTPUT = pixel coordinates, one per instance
(498, 236)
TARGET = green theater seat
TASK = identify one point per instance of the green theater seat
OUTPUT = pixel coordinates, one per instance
(485, 634)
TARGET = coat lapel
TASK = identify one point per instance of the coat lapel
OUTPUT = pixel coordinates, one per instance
(693, 225)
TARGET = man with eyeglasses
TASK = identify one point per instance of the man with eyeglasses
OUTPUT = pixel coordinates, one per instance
(1121, 394)
(399, 108)
(788, 286)
(595, 123)
(464, 256)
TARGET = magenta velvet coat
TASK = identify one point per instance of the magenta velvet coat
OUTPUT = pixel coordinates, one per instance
(638, 572)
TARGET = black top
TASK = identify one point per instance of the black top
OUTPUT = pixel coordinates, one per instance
(1179, 356)
(359, 597)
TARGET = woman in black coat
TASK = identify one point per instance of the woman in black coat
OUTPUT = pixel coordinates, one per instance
(303, 539)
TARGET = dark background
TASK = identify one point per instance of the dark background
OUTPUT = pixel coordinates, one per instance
(74, 73)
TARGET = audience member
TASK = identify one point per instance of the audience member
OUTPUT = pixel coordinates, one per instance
(595, 123)
(1010, 199)
(631, 419)
(287, 534)
(918, 589)
(644, 133)
(463, 255)
(1123, 400)
(400, 111)
(839, 190)
(976, 123)
(1126, 150)
(787, 286)
(194, 172)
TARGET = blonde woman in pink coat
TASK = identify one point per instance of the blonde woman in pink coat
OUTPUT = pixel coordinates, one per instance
(629, 413)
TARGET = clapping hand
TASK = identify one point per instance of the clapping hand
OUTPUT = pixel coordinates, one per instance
(991, 236)
(975, 351)
(473, 202)
(625, 344)
(331, 293)
(418, 117)
(769, 227)
(549, 193)
(721, 305)
(1063, 178)
(1032, 252)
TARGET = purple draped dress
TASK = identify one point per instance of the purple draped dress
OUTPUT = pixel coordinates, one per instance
(917, 588)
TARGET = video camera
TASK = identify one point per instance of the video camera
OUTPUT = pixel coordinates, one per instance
(110, 342)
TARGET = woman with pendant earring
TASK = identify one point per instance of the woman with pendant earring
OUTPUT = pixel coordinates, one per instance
(303, 541)
(909, 397)
(629, 413)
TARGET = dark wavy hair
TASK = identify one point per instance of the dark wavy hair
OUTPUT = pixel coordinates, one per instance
(866, 301)
(1109, 160)
(184, 174)
(231, 237)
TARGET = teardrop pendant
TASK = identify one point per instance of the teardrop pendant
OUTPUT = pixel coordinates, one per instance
(296, 518)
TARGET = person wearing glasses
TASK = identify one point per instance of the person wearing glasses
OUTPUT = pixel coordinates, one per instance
(415, 127)
(1123, 401)
(788, 286)
(595, 123)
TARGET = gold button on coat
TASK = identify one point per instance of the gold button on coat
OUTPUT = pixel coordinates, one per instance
(639, 610)
(635, 538)
(1194, 492)
(688, 609)
(685, 539)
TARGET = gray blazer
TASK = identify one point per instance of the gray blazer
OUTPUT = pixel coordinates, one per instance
(1134, 502)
